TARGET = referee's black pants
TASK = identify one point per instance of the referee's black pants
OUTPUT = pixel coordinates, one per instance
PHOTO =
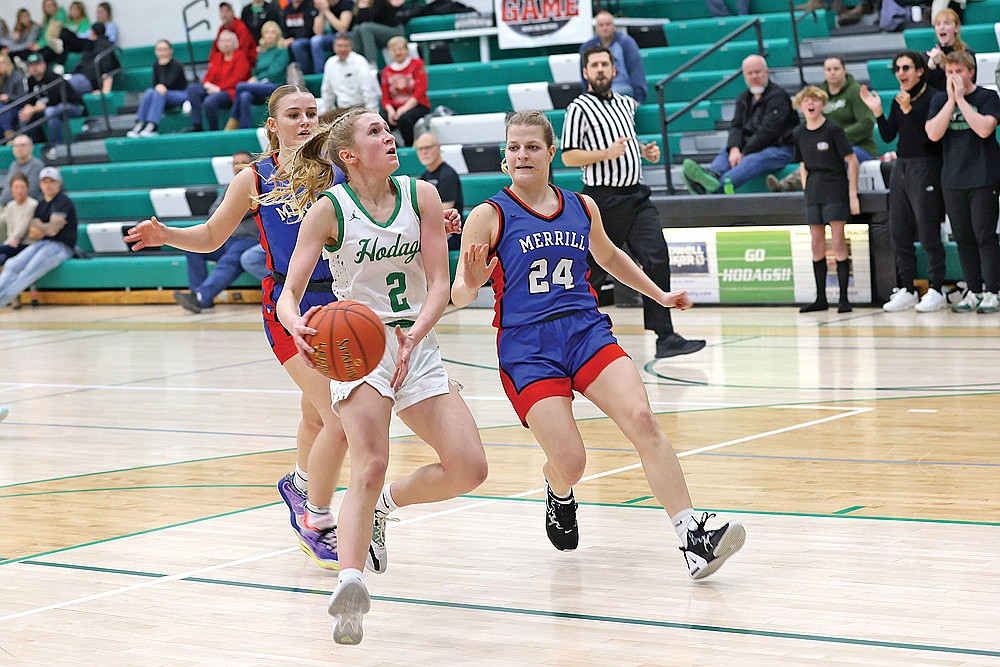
(916, 209)
(632, 220)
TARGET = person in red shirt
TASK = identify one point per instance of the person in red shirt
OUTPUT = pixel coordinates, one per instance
(248, 45)
(404, 89)
(216, 90)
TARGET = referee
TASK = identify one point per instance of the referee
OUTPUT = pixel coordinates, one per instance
(599, 135)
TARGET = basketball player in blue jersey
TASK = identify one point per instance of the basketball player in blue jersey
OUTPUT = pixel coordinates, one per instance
(292, 118)
(406, 283)
(532, 239)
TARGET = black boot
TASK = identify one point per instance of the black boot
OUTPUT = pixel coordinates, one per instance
(843, 273)
(819, 273)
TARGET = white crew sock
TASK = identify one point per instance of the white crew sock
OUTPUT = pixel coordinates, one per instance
(683, 521)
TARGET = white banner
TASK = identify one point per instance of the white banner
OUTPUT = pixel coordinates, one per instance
(532, 23)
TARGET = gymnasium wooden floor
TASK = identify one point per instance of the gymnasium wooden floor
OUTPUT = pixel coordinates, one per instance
(140, 524)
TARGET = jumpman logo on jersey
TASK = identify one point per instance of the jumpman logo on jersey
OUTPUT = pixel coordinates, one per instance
(354, 216)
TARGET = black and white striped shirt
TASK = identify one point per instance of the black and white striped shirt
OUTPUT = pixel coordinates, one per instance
(593, 123)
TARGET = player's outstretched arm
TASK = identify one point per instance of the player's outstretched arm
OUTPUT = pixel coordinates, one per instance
(206, 237)
(621, 266)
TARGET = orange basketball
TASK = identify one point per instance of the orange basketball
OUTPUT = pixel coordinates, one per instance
(349, 340)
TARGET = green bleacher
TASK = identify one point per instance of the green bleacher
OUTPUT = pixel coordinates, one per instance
(119, 189)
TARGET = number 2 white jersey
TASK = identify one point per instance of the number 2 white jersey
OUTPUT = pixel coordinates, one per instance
(379, 264)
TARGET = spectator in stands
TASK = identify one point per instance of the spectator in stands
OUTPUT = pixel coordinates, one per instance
(54, 231)
(77, 21)
(254, 261)
(760, 136)
(333, 18)
(720, 8)
(228, 21)
(630, 77)
(268, 74)
(948, 29)
(50, 44)
(299, 16)
(204, 285)
(844, 107)
(822, 149)
(599, 136)
(348, 79)
(964, 118)
(25, 162)
(169, 90)
(94, 73)
(57, 37)
(53, 103)
(22, 37)
(845, 15)
(217, 88)
(104, 17)
(15, 217)
(915, 205)
(441, 175)
(12, 86)
(373, 25)
(259, 12)
(404, 90)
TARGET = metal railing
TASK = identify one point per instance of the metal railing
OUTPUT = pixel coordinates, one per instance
(188, 27)
(114, 50)
(27, 127)
(795, 35)
(665, 120)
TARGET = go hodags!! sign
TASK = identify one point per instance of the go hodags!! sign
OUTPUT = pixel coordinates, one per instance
(532, 23)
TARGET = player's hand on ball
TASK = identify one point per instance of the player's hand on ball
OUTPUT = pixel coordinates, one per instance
(299, 329)
(452, 221)
(406, 345)
(679, 300)
(147, 234)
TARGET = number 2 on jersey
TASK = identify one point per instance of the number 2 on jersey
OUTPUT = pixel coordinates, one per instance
(397, 285)
(562, 274)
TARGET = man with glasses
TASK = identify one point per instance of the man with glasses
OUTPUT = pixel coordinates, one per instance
(26, 163)
(440, 174)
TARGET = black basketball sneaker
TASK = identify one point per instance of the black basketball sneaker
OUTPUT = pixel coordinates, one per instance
(560, 521)
(706, 550)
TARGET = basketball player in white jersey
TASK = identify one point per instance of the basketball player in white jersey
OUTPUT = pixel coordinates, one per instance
(387, 249)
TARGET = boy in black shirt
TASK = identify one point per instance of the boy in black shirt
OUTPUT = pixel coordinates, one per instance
(821, 149)
(964, 118)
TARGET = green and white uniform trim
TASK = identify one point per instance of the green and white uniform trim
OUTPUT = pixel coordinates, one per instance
(379, 263)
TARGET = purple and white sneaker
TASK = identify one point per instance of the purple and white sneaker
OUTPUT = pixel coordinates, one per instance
(320, 545)
(296, 502)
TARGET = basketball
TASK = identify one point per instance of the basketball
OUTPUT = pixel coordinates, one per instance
(349, 340)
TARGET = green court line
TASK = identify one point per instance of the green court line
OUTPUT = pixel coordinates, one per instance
(137, 488)
(627, 502)
(147, 467)
(500, 426)
(990, 524)
(543, 613)
(812, 515)
(848, 510)
(648, 368)
(141, 532)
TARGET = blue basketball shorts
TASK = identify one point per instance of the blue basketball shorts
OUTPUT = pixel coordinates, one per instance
(554, 357)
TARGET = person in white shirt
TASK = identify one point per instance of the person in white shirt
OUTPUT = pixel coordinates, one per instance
(348, 79)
